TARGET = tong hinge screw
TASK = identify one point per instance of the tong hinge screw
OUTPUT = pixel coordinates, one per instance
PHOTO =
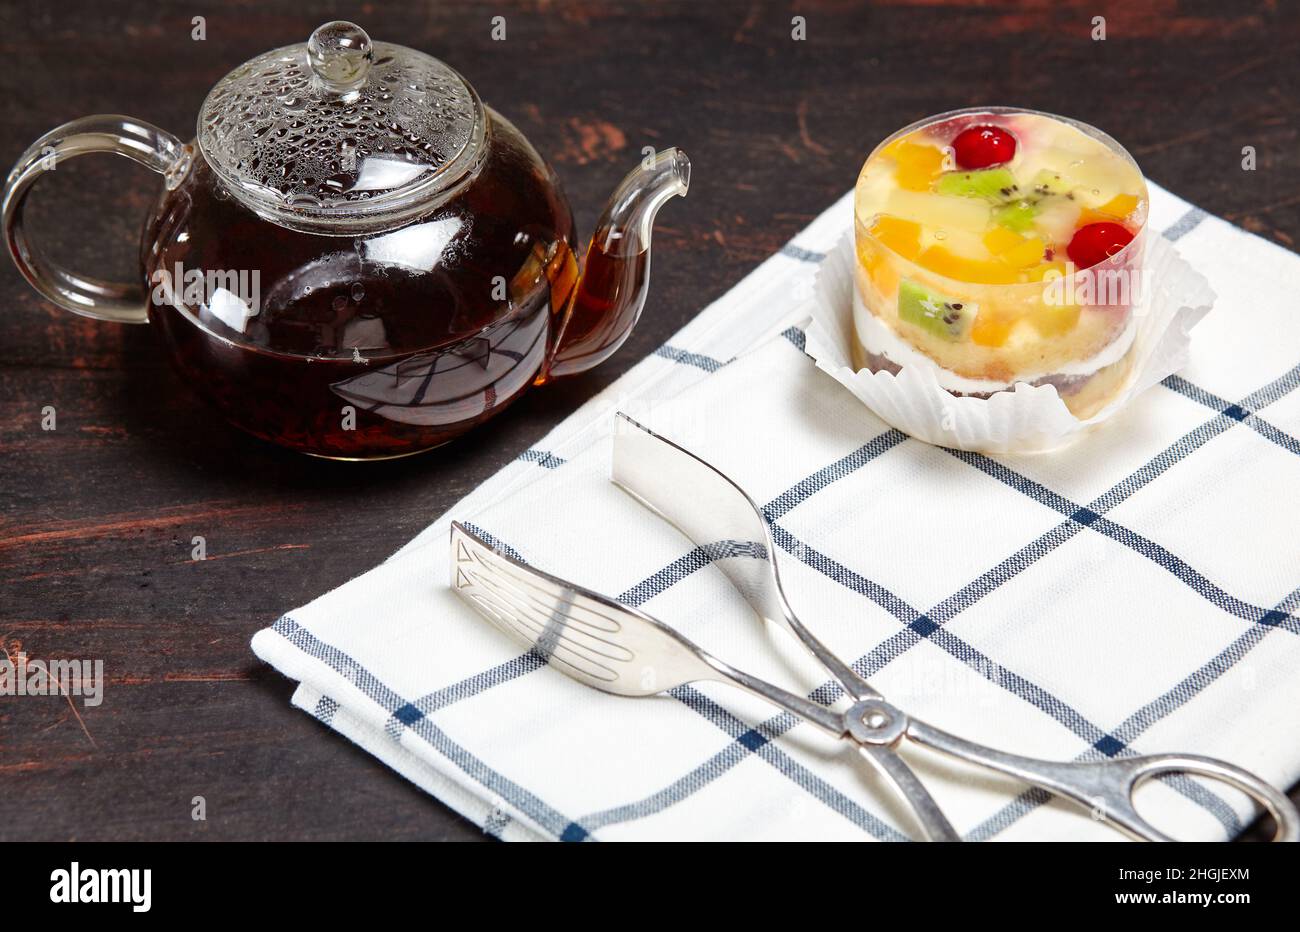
(874, 722)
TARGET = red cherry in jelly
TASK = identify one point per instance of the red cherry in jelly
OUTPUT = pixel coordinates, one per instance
(1097, 242)
(982, 146)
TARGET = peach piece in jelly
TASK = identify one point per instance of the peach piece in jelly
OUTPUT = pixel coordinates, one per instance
(917, 165)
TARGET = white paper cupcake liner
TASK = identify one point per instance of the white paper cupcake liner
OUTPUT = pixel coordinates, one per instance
(1027, 419)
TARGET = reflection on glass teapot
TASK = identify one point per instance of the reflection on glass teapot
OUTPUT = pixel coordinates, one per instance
(356, 258)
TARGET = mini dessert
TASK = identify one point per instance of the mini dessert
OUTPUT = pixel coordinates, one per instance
(1001, 246)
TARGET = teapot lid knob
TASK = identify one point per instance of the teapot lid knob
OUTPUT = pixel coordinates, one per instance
(340, 54)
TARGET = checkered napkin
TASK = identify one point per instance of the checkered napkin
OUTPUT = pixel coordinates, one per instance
(1135, 593)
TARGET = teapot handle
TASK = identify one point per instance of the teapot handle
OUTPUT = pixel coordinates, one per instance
(139, 141)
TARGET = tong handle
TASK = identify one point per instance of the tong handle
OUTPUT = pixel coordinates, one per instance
(1107, 786)
(928, 815)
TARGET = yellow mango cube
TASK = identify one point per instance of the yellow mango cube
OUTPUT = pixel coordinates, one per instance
(1025, 254)
(902, 236)
(999, 239)
(943, 261)
(1054, 320)
(1119, 206)
(1040, 272)
(1104, 214)
(990, 328)
(885, 278)
(917, 165)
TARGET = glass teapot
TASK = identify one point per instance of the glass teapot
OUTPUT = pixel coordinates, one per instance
(355, 257)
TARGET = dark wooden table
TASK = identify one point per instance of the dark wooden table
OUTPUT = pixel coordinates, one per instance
(96, 517)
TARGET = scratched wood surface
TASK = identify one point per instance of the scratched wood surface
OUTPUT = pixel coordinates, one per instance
(96, 517)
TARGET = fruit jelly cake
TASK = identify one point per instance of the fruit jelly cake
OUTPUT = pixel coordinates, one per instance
(968, 227)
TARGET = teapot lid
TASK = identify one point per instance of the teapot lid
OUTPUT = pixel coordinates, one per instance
(340, 134)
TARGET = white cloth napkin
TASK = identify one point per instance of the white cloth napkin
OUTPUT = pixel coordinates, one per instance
(1135, 593)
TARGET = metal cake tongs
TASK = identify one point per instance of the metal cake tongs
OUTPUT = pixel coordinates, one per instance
(622, 650)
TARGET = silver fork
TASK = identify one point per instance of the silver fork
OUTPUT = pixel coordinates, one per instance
(622, 650)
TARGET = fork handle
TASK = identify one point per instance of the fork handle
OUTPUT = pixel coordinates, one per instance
(1108, 785)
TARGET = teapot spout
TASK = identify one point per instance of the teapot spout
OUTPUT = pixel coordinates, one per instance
(611, 291)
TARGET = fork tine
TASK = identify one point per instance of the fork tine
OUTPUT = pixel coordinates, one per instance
(550, 622)
(532, 591)
(580, 666)
(590, 637)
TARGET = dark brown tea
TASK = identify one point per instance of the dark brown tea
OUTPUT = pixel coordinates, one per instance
(608, 300)
(376, 345)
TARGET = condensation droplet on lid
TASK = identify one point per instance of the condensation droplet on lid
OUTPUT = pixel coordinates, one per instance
(270, 125)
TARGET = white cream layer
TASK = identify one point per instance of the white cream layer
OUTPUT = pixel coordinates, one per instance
(877, 338)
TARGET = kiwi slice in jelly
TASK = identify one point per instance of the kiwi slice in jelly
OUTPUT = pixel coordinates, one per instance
(1049, 182)
(994, 184)
(1013, 208)
(1016, 215)
(934, 312)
